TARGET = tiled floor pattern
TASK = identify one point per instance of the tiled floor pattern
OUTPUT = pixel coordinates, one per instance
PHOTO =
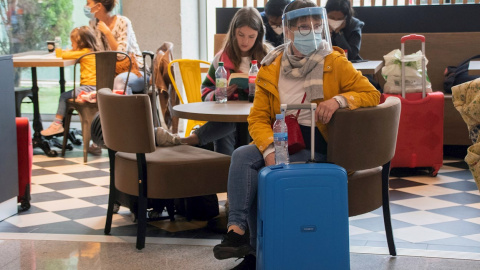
(429, 214)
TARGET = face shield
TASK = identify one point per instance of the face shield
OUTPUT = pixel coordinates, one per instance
(306, 31)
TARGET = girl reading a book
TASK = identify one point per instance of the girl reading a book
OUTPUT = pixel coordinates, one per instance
(244, 43)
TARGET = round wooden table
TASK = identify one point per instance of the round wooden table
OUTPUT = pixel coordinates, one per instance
(232, 111)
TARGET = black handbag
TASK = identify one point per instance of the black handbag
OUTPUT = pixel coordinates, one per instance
(455, 75)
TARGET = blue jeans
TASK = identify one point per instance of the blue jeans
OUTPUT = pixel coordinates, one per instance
(62, 101)
(242, 186)
(135, 84)
(222, 134)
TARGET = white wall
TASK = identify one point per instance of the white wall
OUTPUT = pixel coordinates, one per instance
(157, 21)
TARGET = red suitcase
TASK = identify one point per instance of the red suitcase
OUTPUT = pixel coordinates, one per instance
(420, 132)
(25, 156)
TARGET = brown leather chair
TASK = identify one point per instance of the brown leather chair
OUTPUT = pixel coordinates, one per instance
(105, 70)
(139, 168)
(363, 142)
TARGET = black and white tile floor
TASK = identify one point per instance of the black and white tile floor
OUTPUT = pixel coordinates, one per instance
(431, 216)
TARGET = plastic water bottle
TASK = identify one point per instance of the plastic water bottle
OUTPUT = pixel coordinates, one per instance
(280, 140)
(220, 84)
(252, 77)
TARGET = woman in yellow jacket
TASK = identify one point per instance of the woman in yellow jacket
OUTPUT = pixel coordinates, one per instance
(305, 67)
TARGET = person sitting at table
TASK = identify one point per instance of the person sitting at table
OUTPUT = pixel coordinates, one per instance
(120, 37)
(272, 19)
(83, 41)
(305, 65)
(345, 30)
(244, 43)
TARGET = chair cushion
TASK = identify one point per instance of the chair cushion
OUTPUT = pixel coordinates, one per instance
(174, 172)
(364, 191)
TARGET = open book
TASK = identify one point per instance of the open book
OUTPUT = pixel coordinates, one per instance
(240, 79)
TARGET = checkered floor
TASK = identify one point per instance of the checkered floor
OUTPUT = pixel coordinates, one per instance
(428, 213)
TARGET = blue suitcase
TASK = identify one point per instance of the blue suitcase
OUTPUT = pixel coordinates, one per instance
(303, 215)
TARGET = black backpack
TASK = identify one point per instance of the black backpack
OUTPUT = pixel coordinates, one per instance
(455, 75)
(199, 208)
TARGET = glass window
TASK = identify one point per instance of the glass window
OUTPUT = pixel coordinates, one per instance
(27, 25)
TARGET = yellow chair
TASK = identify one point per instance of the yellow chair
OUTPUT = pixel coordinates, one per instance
(190, 70)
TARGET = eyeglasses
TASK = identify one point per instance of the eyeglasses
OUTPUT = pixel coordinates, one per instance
(304, 30)
(276, 26)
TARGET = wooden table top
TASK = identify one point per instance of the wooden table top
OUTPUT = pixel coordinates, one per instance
(40, 59)
(474, 68)
(232, 111)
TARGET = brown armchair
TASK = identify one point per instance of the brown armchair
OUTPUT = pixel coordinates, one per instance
(139, 168)
(363, 142)
(105, 70)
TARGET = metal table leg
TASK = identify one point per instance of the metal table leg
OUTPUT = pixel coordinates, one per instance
(38, 140)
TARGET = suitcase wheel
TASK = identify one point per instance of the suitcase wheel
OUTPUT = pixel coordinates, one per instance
(24, 205)
(433, 172)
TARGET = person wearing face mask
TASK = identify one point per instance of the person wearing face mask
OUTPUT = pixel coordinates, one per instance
(272, 19)
(120, 37)
(306, 65)
(244, 43)
(346, 30)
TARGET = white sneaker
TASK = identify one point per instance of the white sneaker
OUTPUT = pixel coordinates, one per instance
(53, 129)
(164, 138)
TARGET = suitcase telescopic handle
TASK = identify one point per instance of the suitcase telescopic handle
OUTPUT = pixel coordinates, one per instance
(412, 37)
(306, 106)
(424, 68)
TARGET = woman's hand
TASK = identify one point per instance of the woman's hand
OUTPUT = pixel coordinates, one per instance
(231, 89)
(270, 159)
(103, 28)
(325, 110)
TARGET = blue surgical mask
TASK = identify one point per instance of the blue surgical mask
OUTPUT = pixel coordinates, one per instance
(88, 12)
(307, 44)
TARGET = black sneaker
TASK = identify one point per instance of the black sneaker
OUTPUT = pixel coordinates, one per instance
(233, 246)
(248, 263)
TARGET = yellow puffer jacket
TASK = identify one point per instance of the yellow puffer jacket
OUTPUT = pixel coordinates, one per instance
(339, 78)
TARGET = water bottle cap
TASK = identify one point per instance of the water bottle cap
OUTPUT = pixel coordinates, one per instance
(220, 64)
(254, 62)
(279, 116)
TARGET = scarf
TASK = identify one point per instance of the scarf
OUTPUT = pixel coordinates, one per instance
(310, 68)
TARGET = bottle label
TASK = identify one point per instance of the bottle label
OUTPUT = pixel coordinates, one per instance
(281, 136)
(221, 82)
(251, 79)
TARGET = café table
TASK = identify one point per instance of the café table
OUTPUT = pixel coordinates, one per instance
(232, 111)
(474, 68)
(368, 66)
(33, 60)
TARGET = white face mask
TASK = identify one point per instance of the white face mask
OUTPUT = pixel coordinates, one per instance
(278, 30)
(335, 24)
